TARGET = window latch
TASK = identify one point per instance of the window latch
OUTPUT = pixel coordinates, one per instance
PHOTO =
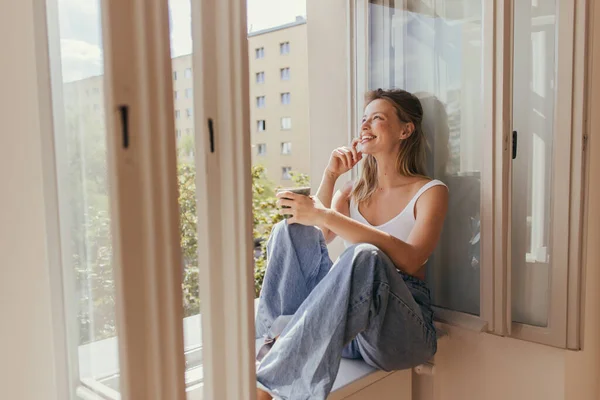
(211, 135)
(514, 145)
(124, 112)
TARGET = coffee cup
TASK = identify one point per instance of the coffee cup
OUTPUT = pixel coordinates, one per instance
(304, 191)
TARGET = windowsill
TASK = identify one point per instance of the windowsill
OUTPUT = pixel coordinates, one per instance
(448, 320)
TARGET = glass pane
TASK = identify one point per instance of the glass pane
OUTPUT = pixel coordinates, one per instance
(181, 53)
(434, 49)
(83, 193)
(533, 118)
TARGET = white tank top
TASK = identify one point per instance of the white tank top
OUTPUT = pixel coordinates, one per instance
(402, 224)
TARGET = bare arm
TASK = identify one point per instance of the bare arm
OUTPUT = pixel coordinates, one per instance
(408, 256)
(340, 203)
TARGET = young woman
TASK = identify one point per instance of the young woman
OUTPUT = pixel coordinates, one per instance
(372, 303)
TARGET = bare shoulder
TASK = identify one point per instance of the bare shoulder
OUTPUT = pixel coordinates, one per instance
(347, 188)
(434, 201)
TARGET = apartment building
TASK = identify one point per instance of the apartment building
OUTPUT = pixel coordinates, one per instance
(279, 100)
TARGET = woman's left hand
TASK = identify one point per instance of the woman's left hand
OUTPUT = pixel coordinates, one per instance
(305, 210)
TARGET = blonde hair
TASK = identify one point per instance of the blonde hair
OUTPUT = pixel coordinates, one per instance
(410, 160)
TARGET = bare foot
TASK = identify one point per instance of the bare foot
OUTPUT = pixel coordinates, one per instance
(262, 395)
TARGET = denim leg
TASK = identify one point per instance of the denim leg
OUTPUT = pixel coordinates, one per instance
(297, 260)
(362, 297)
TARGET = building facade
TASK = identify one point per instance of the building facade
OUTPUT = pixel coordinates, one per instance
(278, 101)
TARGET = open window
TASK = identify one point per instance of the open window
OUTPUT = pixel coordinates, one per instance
(511, 241)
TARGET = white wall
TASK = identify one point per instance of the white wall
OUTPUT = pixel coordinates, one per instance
(26, 339)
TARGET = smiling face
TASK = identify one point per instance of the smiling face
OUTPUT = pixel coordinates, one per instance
(381, 129)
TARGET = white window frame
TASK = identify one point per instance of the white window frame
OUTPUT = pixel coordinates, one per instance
(260, 77)
(285, 173)
(285, 74)
(260, 104)
(144, 191)
(495, 290)
(189, 93)
(261, 125)
(259, 53)
(187, 73)
(286, 148)
(284, 48)
(259, 147)
(288, 96)
(285, 126)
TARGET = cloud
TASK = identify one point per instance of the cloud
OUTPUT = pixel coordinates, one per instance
(80, 59)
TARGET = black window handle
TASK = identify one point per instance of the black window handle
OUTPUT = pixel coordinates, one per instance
(514, 145)
(124, 111)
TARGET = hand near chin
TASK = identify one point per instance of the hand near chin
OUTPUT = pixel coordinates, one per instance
(343, 159)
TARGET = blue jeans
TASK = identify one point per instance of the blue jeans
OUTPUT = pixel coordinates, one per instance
(359, 307)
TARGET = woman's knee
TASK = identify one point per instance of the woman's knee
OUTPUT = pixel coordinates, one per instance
(362, 252)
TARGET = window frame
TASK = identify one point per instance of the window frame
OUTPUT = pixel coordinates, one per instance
(261, 125)
(264, 102)
(284, 48)
(281, 73)
(289, 98)
(495, 288)
(283, 128)
(283, 147)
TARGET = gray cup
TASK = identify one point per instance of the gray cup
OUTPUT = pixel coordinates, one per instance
(305, 191)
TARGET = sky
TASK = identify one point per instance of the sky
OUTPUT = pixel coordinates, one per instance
(80, 30)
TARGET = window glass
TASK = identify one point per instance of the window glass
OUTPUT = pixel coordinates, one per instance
(534, 96)
(435, 51)
(285, 73)
(261, 125)
(188, 93)
(260, 77)
(284, 48)
(81, 157)
(286, 123)
(285, 173)
(188, 73)
(286, 98)
(260, 102)
(286, 148)
(261, 149)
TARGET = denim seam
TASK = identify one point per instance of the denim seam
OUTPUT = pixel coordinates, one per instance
(411, 312)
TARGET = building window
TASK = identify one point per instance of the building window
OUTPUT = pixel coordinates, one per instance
(261, 125)
(284, 48)
(96, 107)
(188, 112)
(260, 52)
(286, 123)
(188, 73)
(177, 114)
(285, 74)
(188, 93)
(286, 148)
(175, 94)
(285, 173)
(174, 75)
(260, 102)
(286, 98)
(178, 133)
(260, 77)
(187, 131)
(96, 91)
(261, 149)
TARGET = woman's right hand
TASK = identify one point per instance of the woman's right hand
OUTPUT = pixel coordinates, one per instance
(343, 159)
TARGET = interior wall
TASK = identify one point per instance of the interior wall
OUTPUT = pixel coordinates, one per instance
(26, 339)
(470, 365)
